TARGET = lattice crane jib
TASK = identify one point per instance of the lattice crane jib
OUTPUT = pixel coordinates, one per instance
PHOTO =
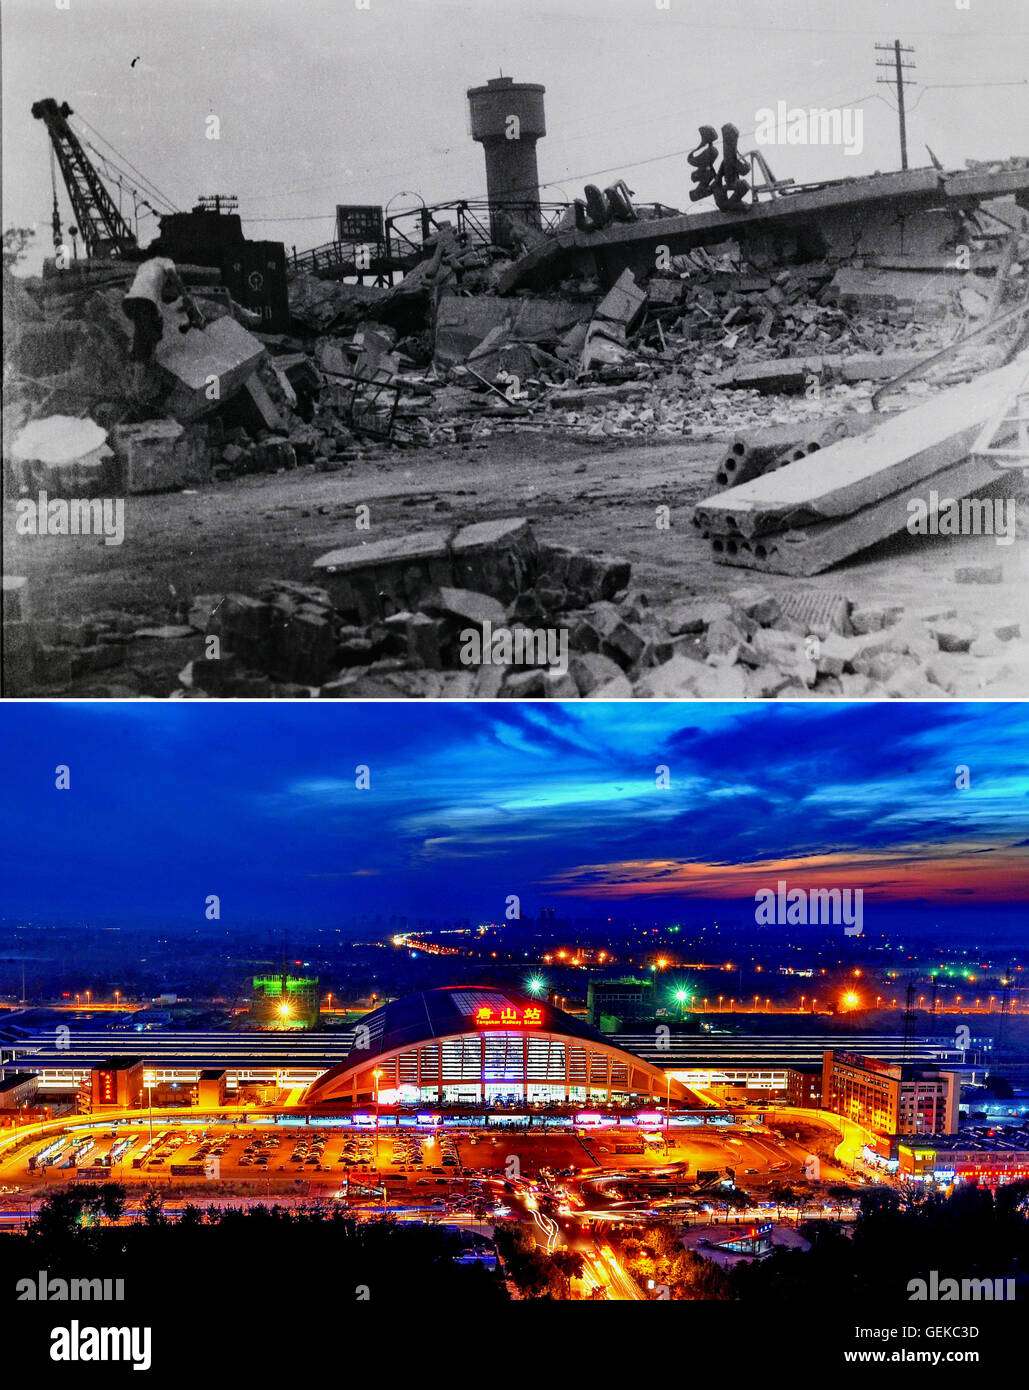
(103, 229)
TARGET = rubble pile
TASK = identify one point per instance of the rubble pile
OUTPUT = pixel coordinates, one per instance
(753, 644)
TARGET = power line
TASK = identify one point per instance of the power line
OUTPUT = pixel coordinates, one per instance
(147, 183)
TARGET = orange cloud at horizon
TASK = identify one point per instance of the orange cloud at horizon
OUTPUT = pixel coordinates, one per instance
(900, 873)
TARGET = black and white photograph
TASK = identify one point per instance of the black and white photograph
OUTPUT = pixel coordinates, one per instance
(474, 349)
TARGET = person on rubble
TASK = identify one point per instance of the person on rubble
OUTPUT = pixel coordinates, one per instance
(154, 279)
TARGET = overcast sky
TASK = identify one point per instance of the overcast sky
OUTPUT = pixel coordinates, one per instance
(320, 102)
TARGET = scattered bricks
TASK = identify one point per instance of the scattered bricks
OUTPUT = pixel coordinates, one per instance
(358, 686)
(953, 636)
(1007, 632)
(551, 601)
(559, 685)
(880, 666)
(591, 670)
(245, 623)
(772, 644)
(305, 646)
(16, 598)
(618, 688)
(585, 636)
(834, 654)
(605, 576)
(722, 683)
(722, 636)
(522, 685)
(555, 562)
(873, 618)
(757, 603)
(425, 640)
(979, 574)
(624, 645)
(678, 677)
(947, 674)
(387, 576)
(494, 557)
(855, 687)
(768, 683)
(488, 680)
(695, 615)
(819, 612)
(352, 651)
(466, 606)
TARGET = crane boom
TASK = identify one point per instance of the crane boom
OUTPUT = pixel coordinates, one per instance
(104, 231)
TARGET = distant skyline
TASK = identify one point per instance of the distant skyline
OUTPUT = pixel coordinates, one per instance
(560, 805)
(321, 102)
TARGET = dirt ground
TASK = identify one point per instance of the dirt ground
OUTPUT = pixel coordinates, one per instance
(598, 495)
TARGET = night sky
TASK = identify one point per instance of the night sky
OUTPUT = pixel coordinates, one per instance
(558, 803)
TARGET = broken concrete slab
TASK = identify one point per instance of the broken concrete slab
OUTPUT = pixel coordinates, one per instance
(783, 376)
(624, 304)
(379, 578)
(466, 606)
(494, 557)
(900, 451)
(159, 455)
(207, 365)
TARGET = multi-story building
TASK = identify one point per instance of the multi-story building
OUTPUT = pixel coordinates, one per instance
(626, 998)
(804, 1087)
(890, 1098)
(117, 1083)
(989, 1157)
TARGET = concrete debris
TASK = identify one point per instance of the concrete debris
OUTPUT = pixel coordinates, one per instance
(809, 515)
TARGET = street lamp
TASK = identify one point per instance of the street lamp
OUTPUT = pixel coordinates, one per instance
(148, 1082)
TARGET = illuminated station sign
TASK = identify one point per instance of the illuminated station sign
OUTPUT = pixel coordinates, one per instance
(508, 1017)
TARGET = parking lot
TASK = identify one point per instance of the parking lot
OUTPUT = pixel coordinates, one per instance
(407, 1163)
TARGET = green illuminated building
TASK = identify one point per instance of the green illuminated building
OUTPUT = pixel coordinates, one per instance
(285, 1001)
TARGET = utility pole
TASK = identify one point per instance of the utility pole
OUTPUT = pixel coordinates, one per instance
(898, 78)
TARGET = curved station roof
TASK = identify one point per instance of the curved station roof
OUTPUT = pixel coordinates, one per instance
(477, 1042)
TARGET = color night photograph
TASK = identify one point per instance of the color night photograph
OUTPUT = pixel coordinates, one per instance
(722, 1004)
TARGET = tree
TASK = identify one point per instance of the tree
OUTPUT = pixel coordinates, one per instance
(783, 1196)
(839, 1195)
(16, 239)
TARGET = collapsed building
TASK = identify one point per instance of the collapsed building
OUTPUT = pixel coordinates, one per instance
(848, 342)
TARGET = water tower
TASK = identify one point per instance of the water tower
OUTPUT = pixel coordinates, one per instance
(507, 120)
